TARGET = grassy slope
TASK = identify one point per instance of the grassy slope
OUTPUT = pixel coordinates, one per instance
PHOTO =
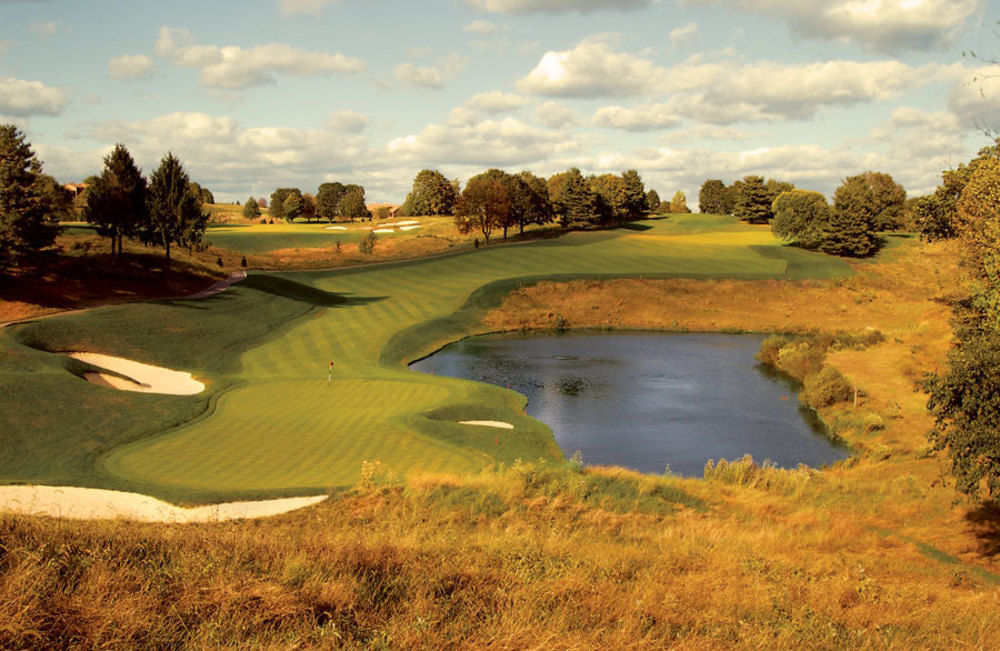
(281, 427)
(272, 237)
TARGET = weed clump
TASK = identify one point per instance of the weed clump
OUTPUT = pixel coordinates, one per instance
(825, 388)
(765, 476)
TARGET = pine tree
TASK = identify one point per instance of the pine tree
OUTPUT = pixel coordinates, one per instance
(753, 204)
(250, 209)
(852, 229)
(116, 202)
(26, 222)
(634, 200)
(175, 215)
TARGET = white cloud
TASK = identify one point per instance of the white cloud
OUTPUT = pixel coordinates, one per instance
(506, 142)
(22, 98)
(556, 116)
(683, 35)
(554, 6)
(650, 117)
(348, 122)
(591, 69)
(480, 27)
(235, 67)
(131, 66)
(876, 25)
(431, 76)
(497, 101)
(292, 7)
(705, 132)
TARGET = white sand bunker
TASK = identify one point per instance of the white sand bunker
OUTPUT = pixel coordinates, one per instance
(408, 222)
(384, 230)
(97, 504)
(335, 228)
(499, 424)
(139, 377)
(408, 228)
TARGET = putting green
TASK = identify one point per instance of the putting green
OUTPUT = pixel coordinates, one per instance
(277, 425)
(265, 238)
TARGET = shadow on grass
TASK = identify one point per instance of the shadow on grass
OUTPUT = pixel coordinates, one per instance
(282, 288)
(985, 523)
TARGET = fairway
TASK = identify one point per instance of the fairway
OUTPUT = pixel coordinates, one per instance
(271, 423)
(266, 238)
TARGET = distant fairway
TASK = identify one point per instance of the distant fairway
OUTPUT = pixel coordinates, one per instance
(265, 238)
(272, 424)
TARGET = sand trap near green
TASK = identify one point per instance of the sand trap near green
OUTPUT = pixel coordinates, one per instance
(139, 377)
(97, 504)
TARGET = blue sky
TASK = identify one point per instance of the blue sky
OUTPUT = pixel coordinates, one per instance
(265, 93)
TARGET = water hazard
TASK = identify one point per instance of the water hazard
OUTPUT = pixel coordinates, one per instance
(644, 401)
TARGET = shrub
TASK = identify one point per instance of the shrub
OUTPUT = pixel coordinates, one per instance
(825, 388)
(800, 360)
(769, 350)
(367, 244)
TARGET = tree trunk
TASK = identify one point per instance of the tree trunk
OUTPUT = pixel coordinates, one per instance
(505, 233)
(168, 254)
(522, 227)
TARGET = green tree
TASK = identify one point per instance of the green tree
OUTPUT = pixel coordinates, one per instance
(753, 203)
(327, 199)
(250, 209)
(889, 198)
(352, 204)
(679, 203)
(27, 225)
(712, 197)
(932, 220)
(60, 199)
(652, 201)
(308, 207)
(732, 197)
(486, 203)
(801, 216)
(852, 220)
(277, 203)
(432, 194)
(536, 207)
(116, 201)
(175, 215)
(292, 204)
(633, 201)
(572, 200)
(608, 192)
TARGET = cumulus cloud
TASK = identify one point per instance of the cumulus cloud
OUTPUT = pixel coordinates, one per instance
(876, 25)
(556, 116)
(131, 66)
(233, 67)
(683, 35)
(705, 132)
(292, 7)
(348, 122)
(21, 98)
(650, 117)
(491, 143)
(430, 76)
(591, 69)
(554, 6)
(497, 101)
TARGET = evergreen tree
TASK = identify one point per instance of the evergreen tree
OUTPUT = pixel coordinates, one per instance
(175, 215)
(572, 200)
(852, 229)
(250, 209)
(116, 202)
(753, 203)
(712, 197)
(327, 198)
(26, 212)
(633, 203)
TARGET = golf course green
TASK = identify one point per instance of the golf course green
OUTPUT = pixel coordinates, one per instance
(270, 423)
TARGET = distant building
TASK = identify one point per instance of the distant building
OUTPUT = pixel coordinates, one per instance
(76, 189)
(384, 210)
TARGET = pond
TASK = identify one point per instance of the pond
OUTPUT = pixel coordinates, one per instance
(645, 400)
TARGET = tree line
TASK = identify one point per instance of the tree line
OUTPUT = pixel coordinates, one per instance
(333, 201)
(499, 201)
(864, 206)
(965, 399)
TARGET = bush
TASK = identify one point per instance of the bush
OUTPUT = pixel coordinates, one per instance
(770, 348)
(367, 244)
(800, 360)
(825, 388)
